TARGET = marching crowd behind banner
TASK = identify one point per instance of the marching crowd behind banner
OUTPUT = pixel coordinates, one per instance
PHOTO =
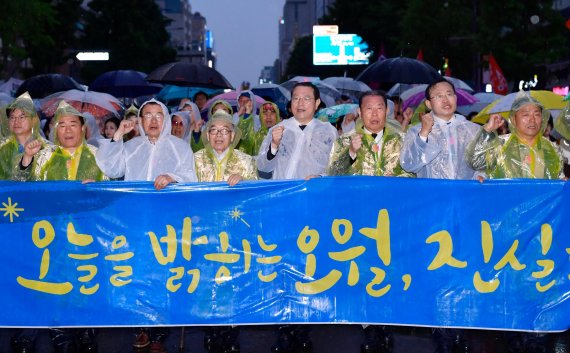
(330, 250)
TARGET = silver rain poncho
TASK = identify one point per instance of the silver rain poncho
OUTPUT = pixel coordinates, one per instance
(443, 155)
(139, 159)
(301, 152)
(94, 133)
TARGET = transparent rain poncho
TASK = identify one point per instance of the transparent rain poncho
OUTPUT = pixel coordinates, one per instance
(186, 120)
(368, 161)
(442, 156)
(93, 128)
(211, 166)
(251, 139)
(140, 159)
(11, 151)
(508, 156)
(301, 152)
(56, 163)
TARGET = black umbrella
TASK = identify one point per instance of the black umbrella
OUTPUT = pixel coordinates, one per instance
(43, 85)
(125, 83)
(398, 70)
(188, 74)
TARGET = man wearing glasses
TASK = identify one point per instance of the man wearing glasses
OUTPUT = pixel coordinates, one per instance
(298, 147)
(24, 125)
(155, 155)
(436, 147)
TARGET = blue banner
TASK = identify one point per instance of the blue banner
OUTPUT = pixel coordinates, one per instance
(330, 250)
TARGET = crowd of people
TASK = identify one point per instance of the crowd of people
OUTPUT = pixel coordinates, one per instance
(151, 144)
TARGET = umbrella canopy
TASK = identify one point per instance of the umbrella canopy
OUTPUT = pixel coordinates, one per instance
(11, 86)
(97, 103)
(188, 74)
(331, 114)
(459, 84)
(550, 100)
(125, 84)
(42, 85)
(5, 99)
(348, 86)
(171, 93)
(328, 93)
(277, 94)
(484, 99)
(398, 70)
(463, 97)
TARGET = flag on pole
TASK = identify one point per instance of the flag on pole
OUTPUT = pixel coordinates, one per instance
(420, 56)
(498, 80)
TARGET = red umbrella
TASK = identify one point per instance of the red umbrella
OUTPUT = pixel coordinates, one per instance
(97, 103)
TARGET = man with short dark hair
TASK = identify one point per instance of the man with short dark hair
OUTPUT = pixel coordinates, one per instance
(200, 98)
(298, 147)
(436, 147)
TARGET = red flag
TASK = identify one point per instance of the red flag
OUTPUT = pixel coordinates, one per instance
(498, 80)
(420, 56)
(382, 54)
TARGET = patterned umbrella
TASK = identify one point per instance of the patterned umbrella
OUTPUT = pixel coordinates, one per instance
(97, 103)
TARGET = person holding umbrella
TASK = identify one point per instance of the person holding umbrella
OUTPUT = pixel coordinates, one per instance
(524, 153)
(436, 147)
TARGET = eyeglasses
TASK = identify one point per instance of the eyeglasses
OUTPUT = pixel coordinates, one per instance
(178, 123)
(149, 116)
(223, 131)
(305, 99)
(440, 97)
(12, 118)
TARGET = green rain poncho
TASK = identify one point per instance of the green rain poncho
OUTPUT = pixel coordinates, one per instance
(562, 124)
(251, 140)
(56, 163)
(11, 151)
(508, 156)
(368, 161)
(209, 166)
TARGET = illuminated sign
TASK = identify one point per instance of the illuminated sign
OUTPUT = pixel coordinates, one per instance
(324, 30)
(339, 49)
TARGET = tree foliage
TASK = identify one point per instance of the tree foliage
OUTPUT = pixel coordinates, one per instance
(133, 31)
(24, 25)
(463, 31)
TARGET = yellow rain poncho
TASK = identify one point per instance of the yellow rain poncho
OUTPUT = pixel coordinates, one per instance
(57, 163)
(213, 167)
(509, 156)
(11, 151)
(368, 161)
(195, 141)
